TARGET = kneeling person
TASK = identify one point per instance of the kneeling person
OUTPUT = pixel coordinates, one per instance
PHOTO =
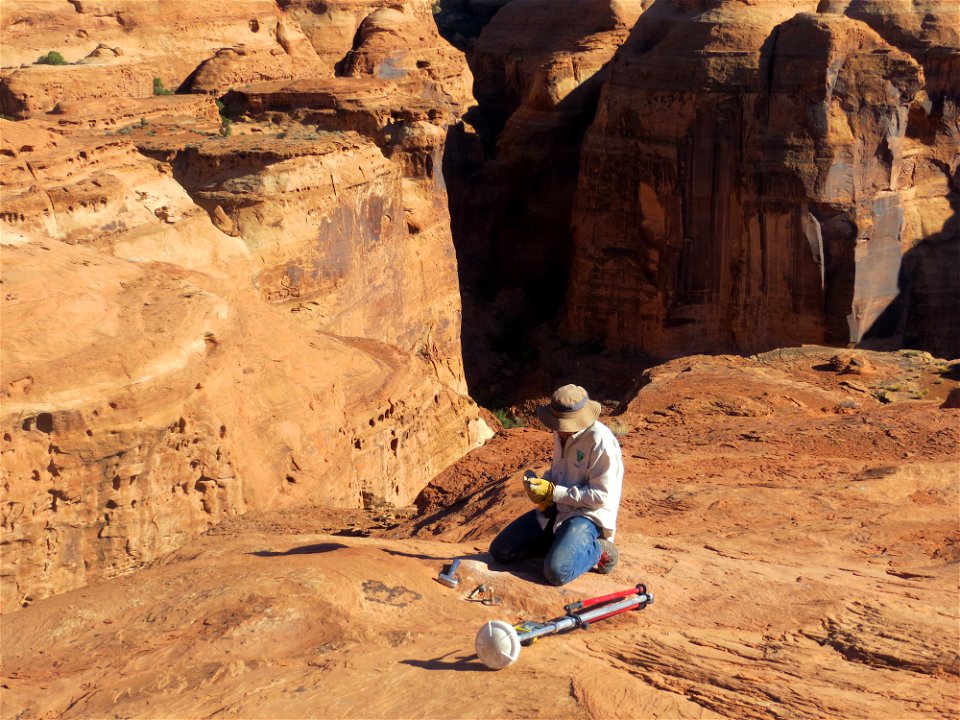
(577, 500)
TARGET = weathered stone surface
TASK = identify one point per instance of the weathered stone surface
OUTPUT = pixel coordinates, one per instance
(803, 560)
(100, 191)
(539, 66)
(327, 220)
(292, 57)
(537, 53)
(741, 186)
(929, 31)
(146, 40)
(119, 114)
(173, 401)
(149, 391)
(403, 44)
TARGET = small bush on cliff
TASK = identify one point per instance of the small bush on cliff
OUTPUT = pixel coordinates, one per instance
(51, 58)
(158, 88)
(226, 124)
(506, 421)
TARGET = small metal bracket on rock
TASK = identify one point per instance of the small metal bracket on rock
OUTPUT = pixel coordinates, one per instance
(484, 594)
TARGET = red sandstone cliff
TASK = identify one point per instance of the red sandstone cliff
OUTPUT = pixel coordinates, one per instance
(756, 177)
(206, 315)
(245, 319)
(754, 174)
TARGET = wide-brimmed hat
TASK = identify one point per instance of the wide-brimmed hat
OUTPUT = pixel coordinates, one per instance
(570, 410)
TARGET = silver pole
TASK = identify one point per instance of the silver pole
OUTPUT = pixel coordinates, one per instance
(580, 619)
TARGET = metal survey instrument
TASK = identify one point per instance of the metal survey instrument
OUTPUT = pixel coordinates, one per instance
(498, 643)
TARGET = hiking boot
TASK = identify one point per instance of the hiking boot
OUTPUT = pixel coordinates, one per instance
(609, 557)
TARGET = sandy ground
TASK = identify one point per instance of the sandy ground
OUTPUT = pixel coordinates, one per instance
(796, 520)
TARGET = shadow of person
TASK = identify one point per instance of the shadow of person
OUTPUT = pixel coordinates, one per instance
(528, 569)
(468, 663)
(315, 549)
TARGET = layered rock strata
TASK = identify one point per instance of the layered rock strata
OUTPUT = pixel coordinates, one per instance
(115, 48)
(203, 317)
(539, 66)
(148, 391)
(747, 181)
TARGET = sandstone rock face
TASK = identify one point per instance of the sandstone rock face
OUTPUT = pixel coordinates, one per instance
(149, 392)
(799, 535)
(539, 68)
(100, 191)
(145, 40)
(205, 317)
(116, 48)
(537, 53)
(752, 179)
(291, 57)
(930, 32)
(325, 219)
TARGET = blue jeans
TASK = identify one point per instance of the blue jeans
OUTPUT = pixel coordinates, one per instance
(572, 551)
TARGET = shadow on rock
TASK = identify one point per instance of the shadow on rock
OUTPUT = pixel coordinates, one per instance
(314, 549)
(462, 663)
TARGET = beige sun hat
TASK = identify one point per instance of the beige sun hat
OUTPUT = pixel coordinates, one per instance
(570, 410)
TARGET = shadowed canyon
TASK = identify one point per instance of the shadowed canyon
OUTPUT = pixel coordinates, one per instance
(284, 282)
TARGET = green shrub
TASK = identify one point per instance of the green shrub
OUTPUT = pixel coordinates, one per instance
(51, 58)
(226, 127)
(506, 421)
(158, 88)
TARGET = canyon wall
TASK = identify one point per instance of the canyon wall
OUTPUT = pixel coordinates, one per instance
(539, 66)
(248, 294)
(767, 174)
(234, 298)
(747, 175)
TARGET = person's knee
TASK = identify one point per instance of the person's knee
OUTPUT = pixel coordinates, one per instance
(554, 579)
(556, 575)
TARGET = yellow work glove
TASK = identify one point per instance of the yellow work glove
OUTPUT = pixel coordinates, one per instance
(539, 491)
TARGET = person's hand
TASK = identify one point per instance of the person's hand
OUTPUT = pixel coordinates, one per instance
(545, 505)
(539, 490)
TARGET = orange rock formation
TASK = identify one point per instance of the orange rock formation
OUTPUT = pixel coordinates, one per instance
(194, 308)
(755, 174)
(237, 438)
(799, 535)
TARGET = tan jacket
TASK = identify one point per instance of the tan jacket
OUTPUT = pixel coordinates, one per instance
(588, 475)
